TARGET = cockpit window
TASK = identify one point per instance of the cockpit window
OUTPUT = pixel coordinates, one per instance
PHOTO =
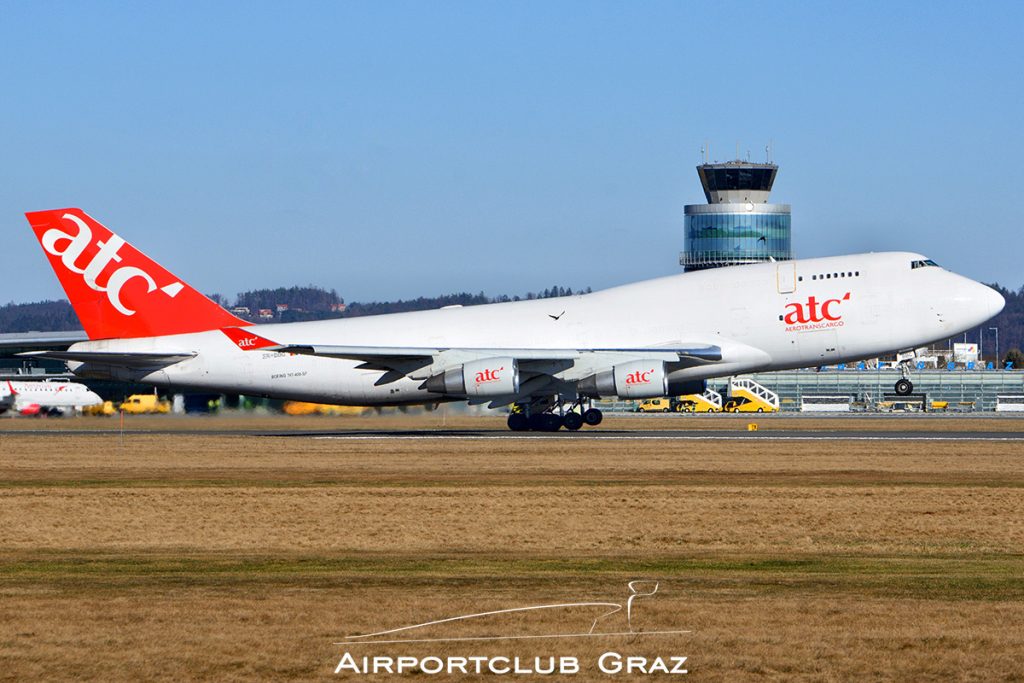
(923, 264)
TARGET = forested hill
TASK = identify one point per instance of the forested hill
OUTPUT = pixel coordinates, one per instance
(42, 316)
(284, 304)
(312, 303)
(1010, 324)
(356, 309)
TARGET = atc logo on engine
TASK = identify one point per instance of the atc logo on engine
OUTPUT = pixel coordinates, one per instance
(639, 377)
(814, 315)
(487, 375)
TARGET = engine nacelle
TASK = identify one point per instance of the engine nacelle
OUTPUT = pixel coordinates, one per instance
(636, 379)
(677, 387)
(487, 377)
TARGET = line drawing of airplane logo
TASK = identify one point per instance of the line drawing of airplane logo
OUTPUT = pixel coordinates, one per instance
(636, 590)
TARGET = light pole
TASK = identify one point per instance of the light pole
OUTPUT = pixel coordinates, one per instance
(997, 347)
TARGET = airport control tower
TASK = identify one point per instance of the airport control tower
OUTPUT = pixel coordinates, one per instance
(737, 225)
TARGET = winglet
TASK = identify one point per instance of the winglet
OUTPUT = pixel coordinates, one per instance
(245, 340)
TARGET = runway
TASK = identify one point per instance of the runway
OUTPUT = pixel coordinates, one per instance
(673, 435)
(584, 434)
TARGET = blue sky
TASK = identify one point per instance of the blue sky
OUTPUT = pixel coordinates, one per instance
(397, 149)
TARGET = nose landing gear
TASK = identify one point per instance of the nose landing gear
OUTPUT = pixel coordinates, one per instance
(904, 386)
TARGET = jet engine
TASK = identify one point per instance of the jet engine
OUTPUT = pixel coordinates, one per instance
(678, 387)
(635, 379)
(487, 377)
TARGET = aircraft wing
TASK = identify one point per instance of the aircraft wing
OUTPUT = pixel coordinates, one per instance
(404, 357)
(381, 353)
(422, 362)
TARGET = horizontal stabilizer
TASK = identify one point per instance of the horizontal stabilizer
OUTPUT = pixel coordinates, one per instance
(120, 359)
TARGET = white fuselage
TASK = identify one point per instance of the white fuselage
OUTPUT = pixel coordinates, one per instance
(32, 397)
(769, 316)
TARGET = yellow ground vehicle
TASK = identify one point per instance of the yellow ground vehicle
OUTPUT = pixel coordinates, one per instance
(657, 405)
(747, 396)
(145, 404)
(743, 405)
(701, 403)
(105, 409)
(302, 408)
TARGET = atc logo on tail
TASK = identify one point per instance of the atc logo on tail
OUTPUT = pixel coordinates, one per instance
(116, 290)
(106, 252)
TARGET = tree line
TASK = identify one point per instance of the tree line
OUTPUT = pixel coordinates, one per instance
(284, 304)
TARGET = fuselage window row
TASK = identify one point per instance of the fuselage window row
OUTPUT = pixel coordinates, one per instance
(829, 276)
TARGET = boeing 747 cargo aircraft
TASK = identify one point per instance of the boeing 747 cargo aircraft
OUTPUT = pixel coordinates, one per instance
(660, 337)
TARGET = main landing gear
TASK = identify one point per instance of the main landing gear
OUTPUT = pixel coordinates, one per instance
(550, 416)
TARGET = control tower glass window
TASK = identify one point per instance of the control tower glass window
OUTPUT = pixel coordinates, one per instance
(721, 179)
(736, 238)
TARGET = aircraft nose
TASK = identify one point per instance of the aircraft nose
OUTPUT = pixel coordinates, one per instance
(981, 303)
(993, 300)
(972, 303)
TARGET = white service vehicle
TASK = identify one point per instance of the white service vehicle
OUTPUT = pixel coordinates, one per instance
(661, 337)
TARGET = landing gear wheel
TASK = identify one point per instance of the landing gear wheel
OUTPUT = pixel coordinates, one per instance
(518, 422)
(904, 387)
(593, 417)
(536, 422)
(572, 421)
(551, 422)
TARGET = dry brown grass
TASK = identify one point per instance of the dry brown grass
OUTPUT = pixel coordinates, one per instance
(244, 557)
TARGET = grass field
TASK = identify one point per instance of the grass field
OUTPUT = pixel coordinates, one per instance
(242, 557)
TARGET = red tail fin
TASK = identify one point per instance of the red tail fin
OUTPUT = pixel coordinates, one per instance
(116, 290)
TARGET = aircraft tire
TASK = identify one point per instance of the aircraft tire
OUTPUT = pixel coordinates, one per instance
(518, 422)
(593, 417)
(904, 387)
(552, 422)
(573, 421)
